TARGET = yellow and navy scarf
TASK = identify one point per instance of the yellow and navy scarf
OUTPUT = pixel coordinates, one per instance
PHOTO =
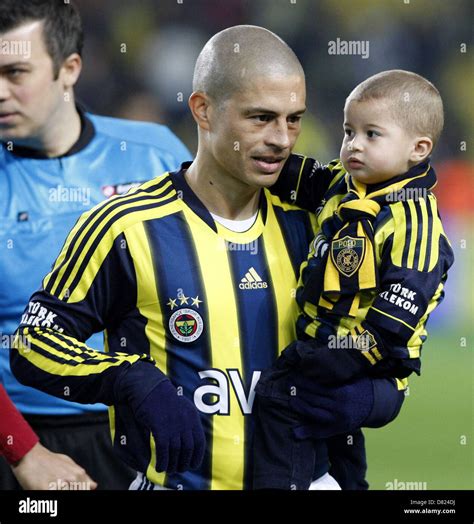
(349, 263)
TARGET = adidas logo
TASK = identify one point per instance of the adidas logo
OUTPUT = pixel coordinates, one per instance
(252, 280)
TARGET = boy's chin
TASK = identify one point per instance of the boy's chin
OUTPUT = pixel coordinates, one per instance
(364, 177)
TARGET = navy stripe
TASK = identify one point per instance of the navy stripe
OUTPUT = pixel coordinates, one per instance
(52, 357)
(74, 253)
(259, 347)
(419, 235)
(429, 235)
(91, 362)
(111, 206)
(87, 256)
(408, 233)
(140, 487)
(188, 195)
(295, 225)
(178, 272)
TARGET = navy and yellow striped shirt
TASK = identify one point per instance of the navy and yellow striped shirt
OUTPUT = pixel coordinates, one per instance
(211, 307)
(412, 255)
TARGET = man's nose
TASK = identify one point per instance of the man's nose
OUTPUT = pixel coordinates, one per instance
(4, 89)
(279, 136)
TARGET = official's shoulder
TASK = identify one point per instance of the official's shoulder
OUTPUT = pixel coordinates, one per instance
(140, 133)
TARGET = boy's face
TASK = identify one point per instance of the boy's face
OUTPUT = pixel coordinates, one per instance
(375, 148)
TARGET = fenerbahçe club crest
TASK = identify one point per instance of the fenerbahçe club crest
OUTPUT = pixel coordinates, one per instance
(186, 325)
(347, 254)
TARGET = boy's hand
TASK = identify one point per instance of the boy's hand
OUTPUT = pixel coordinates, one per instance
(326, 411)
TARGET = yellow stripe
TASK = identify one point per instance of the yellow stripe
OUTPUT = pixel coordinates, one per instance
(401, 383)
(323, 303)
(149, 306)
(369, 357)
(399, 233)
(424, 234)
(104, 246)
(299, 175)
(111, 409)
(376, 352)
(96, 226)
(437, 229)
(414, 234)
(82, 223)
(283, 278)
(394, 318)
(54, 368)
(366, 274)
(228, 431)
(415, 342)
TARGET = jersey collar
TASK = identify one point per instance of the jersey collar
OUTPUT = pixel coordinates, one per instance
(191, 199)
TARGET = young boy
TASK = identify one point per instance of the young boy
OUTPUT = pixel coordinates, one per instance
(375, 272)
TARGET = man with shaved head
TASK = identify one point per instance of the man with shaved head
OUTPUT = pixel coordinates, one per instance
(191, 275)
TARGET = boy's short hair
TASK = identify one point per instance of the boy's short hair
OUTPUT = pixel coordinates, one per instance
(62, 31)
(414, 101)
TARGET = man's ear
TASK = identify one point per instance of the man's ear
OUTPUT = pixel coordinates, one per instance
(70, 70)
(421, 149)
(200, 106)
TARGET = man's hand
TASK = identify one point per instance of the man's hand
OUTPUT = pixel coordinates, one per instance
(176, 427)
(41, 469)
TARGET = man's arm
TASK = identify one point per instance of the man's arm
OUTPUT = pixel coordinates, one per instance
(304, 181)
(93, 287)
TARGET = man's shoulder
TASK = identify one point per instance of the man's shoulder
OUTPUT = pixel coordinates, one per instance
(139, 133)
(151, 200)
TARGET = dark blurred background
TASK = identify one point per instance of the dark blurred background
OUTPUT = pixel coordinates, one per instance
(138, 64)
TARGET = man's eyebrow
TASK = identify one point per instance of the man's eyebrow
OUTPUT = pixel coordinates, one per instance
(15, 64)
(266, 111)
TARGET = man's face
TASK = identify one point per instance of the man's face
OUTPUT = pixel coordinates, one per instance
(254, 131)
(29, 95)
(375, 148)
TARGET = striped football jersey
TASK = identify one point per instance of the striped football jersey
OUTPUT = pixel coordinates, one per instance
(412, 255)
(212, 308)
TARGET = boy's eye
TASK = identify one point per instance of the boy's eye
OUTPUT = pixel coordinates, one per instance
(371, 133)
(348, 131)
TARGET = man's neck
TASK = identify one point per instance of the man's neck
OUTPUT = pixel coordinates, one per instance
(58, 136)
(222, 194)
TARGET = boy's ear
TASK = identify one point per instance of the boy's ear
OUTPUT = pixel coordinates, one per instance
(421, 149)
(199, 104)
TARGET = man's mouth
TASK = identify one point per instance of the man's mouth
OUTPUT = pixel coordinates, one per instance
(269, 164)
(5, 117)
